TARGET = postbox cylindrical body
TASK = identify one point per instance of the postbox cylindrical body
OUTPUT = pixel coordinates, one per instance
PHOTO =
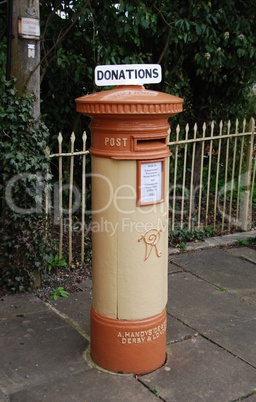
(130, 193)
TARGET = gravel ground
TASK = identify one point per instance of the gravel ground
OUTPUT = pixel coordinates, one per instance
(68, 279)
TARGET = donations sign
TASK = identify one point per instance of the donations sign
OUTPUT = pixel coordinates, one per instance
(128, 74)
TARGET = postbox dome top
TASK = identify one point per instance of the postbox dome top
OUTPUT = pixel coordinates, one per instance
(132, 99)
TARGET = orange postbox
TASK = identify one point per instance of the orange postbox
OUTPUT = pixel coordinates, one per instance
(130, 193)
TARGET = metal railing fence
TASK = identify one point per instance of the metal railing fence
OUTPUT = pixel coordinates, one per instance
(212, 178)
(212, 182)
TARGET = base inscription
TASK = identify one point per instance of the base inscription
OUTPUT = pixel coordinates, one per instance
(136, 337)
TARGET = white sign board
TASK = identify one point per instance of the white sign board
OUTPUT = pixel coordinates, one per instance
(151, 182)
(128, 74)
(29, 28)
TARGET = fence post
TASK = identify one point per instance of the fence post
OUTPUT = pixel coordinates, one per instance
(70, 205)
(84, 137)
(60, 138)
(247, 179)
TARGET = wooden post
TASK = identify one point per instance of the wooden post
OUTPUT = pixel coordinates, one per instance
(25, 52)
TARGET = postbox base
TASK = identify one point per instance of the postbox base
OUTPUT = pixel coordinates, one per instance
(128, 346)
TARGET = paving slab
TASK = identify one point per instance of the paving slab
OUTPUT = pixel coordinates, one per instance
(37, 347)
(176, 331)
(202, 306)
(20, 304)
(243, 252)
(250, 298)
(77, 306)
(198, 370)
(3, 398)
(210, 335)
(89, 386)
(240, 339)
(172, 268)
(220, 268)
(251, 398)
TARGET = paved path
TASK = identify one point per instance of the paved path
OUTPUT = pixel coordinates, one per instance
(211, 339)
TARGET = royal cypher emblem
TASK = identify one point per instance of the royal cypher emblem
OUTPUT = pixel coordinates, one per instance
(151, 239)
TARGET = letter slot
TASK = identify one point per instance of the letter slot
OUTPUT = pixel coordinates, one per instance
(149, 144)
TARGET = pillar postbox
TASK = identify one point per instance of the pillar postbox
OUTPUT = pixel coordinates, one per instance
(130, 192)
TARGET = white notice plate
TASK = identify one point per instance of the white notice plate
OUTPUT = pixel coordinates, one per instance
(29, 28)
(128, 74)
(150, 175)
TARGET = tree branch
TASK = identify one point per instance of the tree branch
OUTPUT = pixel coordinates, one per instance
(165, 47)
(56, 44)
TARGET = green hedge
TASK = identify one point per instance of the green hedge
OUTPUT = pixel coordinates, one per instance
(24, 233)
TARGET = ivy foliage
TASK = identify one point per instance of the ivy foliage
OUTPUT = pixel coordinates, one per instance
(24, 239)
(24, 233)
